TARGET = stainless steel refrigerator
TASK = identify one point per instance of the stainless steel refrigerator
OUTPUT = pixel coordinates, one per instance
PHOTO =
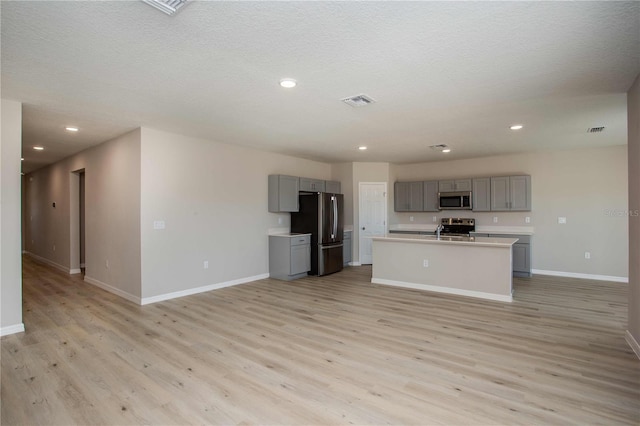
(321, 214)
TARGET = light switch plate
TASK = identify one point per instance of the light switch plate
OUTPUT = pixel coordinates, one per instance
(158, 224)
(562, 220)
(527, 219)
(410, 218)
(495, 219)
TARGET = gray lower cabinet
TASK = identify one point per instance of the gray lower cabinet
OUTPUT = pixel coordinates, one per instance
(347, 247)
(332, 186)
(521, 252)
(312, 185)
(408, 196)
(481, 195)
(511, 193)
(430, 196)
(289, 256)
(283, 193)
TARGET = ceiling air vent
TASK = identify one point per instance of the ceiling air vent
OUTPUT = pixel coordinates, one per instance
(439, 147)
(595, 129)
(167, 6)
(358, 101)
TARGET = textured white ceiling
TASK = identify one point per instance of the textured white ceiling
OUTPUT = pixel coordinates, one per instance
(455, 73)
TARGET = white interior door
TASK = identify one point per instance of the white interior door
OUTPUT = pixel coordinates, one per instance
(372, 216)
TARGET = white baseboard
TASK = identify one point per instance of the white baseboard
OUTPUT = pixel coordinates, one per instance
(74, 271)
(633, 343)
(355, 264)
(52, 263)
(12, 329)
(448, 290)
(579, 275)
(188, 292)
(111, 289)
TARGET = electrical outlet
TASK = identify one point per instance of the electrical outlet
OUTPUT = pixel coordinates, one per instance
(562, 220)
(410, 218)
(495, 219)
(206, 264)
(425, 263)
(158, 224)
(279, 221)
(527, 219)
(587, 255)
(106, 263)
(435, 218)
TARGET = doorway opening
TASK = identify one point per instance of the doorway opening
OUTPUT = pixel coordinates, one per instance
(77, 221)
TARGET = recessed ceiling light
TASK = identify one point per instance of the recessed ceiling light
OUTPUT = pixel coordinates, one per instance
(362, 148)
(71, 128)
(38, 148)
(516, 127)
(446, 150)
(288, 83)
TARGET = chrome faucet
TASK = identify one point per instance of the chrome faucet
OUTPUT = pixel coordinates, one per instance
(438, 229)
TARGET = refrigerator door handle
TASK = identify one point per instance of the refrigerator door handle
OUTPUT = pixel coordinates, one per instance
(334, 201)
(330, 247)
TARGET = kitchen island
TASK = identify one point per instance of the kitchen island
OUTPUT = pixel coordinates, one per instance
(477, 267)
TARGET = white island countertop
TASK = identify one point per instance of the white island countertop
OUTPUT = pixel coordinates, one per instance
(432, 239)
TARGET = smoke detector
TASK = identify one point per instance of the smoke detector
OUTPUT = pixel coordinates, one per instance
(358, 100)
(595, 129)
(167, 6)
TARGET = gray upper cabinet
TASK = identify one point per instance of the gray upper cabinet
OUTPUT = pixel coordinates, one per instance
(332, 186)
(430, 196)
(283, 193)
(454, 185)
(511, 193)
(408, 196)
(520, 187)
(311, 185)
(481, 195)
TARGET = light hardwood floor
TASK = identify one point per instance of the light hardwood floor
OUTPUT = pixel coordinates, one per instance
(331, 350)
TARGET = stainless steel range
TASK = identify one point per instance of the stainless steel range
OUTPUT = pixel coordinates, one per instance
(457, 226)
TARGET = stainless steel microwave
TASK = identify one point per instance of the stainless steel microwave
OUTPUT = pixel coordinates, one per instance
(454, 200)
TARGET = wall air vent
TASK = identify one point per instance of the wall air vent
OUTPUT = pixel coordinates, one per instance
(358, 101)
(595, 129)
(167, 6)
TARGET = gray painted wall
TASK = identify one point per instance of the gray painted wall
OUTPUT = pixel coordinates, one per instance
(587, 186)
(213, 200)
(112, 212)
(633, 99)
(10, 225)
